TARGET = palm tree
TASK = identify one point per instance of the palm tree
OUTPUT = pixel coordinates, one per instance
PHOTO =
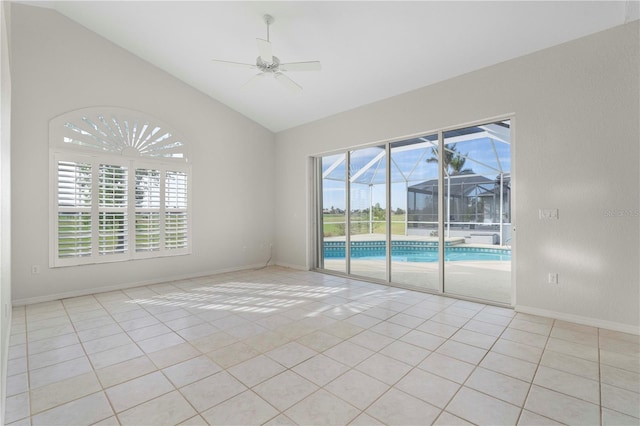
(453, 160)
(457, 165)
(453, 165)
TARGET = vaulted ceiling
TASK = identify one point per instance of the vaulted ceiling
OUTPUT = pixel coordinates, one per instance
(369, 50)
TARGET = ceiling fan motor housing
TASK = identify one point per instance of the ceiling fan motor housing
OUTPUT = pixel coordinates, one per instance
(272, 67)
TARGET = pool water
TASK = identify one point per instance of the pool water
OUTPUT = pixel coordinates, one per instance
(412, 251)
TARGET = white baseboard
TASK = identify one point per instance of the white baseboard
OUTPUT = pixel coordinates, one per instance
(122, 286)
(578, 319)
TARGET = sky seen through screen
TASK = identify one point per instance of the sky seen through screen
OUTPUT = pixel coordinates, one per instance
(408, 167)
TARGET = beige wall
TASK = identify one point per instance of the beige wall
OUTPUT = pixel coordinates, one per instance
(576, 149)
(59, 66)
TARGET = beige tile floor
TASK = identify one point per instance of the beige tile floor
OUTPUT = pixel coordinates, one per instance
(282, 347)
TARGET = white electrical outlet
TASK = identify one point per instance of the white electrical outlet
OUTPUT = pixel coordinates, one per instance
(35, 269)
(553, 278)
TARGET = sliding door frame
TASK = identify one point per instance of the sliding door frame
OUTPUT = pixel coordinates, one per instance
(317, 231)
(441, 212)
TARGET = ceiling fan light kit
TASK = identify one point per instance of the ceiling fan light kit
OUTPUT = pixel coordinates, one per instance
(268, 64)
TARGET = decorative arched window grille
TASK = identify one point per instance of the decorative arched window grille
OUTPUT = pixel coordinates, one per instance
(120, 187)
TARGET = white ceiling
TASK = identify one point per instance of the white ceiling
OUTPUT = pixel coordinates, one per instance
(369, 50)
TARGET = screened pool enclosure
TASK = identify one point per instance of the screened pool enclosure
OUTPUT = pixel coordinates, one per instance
(430, 212)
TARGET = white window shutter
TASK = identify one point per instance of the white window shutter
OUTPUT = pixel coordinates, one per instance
(121, 188)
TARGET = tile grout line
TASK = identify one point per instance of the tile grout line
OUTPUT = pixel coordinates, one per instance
(475, 367)
(93, 370)
(157, 369)
(397, 310)
(533, 377)
(601, 409)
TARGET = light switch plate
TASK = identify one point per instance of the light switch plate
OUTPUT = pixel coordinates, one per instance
(545, 214)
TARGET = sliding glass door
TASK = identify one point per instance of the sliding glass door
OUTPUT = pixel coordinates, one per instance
(431, 212)
(368, 212)
(477, 201)
(414, 225)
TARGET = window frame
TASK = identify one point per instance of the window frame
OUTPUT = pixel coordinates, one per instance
(63, 151)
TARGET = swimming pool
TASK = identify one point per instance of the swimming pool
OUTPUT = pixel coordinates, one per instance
(413, 251)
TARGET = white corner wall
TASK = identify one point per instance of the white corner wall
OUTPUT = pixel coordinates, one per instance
(576, 149)
(59, 66)
(5, 200)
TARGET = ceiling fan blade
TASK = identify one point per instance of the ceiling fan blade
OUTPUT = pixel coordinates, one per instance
(235, 64)
(253, 80)
(301, 66)
(287, 82)
(266, 53)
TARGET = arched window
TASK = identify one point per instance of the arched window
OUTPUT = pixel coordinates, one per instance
(120, 184)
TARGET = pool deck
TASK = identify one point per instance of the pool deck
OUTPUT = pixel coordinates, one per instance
(488, 280)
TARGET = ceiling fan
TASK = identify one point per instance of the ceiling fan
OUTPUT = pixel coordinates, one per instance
(268, 64)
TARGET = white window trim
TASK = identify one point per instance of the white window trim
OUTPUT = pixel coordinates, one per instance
(123, 150)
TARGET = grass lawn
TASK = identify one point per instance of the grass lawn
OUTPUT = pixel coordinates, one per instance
(334, 225)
